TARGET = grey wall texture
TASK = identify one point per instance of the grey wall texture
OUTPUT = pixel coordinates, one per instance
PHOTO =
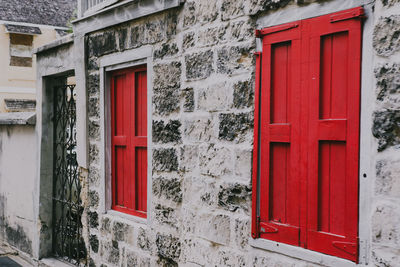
(202, 136)
(17, 147)
(203, 102)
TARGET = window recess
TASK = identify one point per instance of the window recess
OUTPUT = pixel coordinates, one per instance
(305, 170)
(129, 140)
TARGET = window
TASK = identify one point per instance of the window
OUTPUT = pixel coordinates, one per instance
(305, 172)
(21, 50)
(129, 140)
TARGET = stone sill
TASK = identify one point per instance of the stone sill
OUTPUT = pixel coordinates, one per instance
(61, 41)
(300, 253)
(18, 118)
(131, 218)
(52, 262)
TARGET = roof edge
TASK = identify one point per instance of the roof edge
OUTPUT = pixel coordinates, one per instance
(47, 26)
(59, 42)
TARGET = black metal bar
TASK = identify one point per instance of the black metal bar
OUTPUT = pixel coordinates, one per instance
(68, 243)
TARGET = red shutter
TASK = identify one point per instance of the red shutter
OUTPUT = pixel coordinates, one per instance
(129, 140)
(307, 134)
(280, 133)
(335, 55)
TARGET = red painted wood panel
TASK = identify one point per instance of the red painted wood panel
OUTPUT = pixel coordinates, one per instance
(280, 82)
(279, 172)
(141, 179)
(129, 140)
(333, 73)
(279, 182)
(331, 187)
(255, 227)
(141, 140)
(141, 104)
(333, 140)
(120, 133)
(306, 152)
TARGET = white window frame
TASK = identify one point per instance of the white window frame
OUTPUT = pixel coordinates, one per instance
(109, 63)
(366, 169)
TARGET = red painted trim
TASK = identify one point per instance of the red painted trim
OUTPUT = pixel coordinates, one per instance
(254, 221)
(130, 211)
(279, 28)
(357, 12)
(112, 94)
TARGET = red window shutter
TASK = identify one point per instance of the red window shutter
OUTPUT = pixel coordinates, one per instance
(307, 108)
(333, 140)
(279, 134)
(129, 140)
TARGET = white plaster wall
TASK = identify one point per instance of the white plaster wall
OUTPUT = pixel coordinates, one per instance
(17, 182)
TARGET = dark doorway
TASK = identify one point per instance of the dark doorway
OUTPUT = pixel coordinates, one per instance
(7, 262)
(68, 244)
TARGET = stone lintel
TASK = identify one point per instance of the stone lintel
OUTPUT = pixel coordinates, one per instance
(18, 118)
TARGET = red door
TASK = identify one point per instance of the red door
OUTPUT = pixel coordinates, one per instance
(129, 140)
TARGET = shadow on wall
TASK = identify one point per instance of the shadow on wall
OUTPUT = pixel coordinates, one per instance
(13, 236)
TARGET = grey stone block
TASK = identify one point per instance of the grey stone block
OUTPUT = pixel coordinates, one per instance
(166, 215)
(243, 94)
(102, 44)
(232, 9)
(215, 161)
(167, 75)
(385, 222)
(387, 182)
(234, 196)
(215, 228)
(166, 132)
(386, 39)
(188, 99)
(199, 129)
(199, 65)
(188, 40)
(165, 159)
(235, 127)
(168, 246)
(166, 50)
(386, 128)
(235, 59)
(168, 189)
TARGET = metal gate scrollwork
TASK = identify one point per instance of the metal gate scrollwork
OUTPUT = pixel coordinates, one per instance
(68, 244)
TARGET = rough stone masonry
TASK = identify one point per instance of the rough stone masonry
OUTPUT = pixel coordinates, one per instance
(203, 102)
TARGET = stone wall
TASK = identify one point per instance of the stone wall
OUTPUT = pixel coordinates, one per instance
(203, 102)
(386, 129)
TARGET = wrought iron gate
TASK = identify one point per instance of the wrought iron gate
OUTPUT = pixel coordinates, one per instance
(68, 243)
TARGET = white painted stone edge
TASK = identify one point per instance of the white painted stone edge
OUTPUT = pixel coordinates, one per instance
(17, 90)
(128, 10)
(126, 59)
(18, 118)
(300, 253)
